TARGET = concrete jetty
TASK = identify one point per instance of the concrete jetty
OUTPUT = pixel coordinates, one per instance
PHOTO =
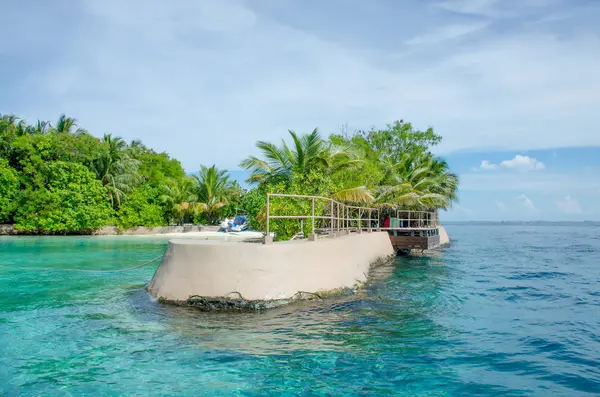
(218, 275)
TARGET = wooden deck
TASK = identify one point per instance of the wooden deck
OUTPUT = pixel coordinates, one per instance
(415, 238)
(410, 229)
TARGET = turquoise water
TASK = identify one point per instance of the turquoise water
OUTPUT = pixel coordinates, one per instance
(510, 310)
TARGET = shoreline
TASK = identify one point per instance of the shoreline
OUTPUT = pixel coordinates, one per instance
(9, 230)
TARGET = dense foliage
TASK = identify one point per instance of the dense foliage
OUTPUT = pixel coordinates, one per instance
(58, 178)
(70, 200)
(9, 186)
(392, 166)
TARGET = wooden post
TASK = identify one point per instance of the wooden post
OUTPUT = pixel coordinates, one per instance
(331, 226)
(268, 203)
(359, 220)
(347, 218)
(268, 239)
(313, 216)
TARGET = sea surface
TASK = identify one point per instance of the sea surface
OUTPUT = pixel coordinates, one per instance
(509, 310)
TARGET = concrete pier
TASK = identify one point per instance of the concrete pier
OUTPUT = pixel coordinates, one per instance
(235, 275)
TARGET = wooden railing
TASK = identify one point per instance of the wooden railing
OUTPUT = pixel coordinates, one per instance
(415, 220)
(330, 216)
(340, 217)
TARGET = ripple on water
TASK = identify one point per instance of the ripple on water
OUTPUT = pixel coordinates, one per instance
(536, 275)
(506, 311)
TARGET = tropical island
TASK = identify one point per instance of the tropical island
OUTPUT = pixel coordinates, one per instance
(58, 178)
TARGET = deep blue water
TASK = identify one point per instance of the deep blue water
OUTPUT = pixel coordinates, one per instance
(509, 310)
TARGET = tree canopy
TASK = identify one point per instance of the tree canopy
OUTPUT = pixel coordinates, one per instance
(392, 166)
(71, 200)
(59, 178)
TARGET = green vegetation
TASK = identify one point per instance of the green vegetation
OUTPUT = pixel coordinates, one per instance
(9, 186)
(214, 190)
(390, 166)
(58, 178)
(71, 199)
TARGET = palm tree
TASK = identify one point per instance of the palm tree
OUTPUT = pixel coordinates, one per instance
(67, 125)
(179, 198)
(116, 169)
(11, 124)
(418, 181)
(214, 190)
(360, 194)
(7, 133)
(309, 151)
(41, 127)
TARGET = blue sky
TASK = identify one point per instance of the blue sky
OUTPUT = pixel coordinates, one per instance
(514, 83)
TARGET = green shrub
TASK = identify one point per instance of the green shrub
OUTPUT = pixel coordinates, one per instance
(71, 200)
(139, 210)
(9, 187)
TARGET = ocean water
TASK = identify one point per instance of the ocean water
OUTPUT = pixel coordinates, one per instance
(509, 310)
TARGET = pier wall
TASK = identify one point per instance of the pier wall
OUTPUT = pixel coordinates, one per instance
(257, 272)
(444, 238)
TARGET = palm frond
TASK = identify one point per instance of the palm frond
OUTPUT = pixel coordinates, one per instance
(358, 194)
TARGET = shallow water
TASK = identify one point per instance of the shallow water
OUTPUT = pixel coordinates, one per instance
(509, 310)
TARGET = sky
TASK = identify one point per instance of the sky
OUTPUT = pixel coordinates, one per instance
(513, 86)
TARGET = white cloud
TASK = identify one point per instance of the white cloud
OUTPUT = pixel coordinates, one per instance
(544, 182)
(448, 32)
(190, 77)
(519, 162)
(526, 203)
(493, 8)
(523, 163)
(477, 7)
(486, 165)
(569, 205)
(501, 206)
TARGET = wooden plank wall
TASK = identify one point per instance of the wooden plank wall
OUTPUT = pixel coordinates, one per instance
(415, 242)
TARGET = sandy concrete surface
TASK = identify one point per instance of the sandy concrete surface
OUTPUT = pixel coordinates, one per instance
(209, 268)
(444, 238)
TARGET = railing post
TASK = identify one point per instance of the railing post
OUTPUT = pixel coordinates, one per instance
(359, 223)
(337, 221)
(313, 236)
(268, 203)
(267, 239)
(331, 226)
(348, 223)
